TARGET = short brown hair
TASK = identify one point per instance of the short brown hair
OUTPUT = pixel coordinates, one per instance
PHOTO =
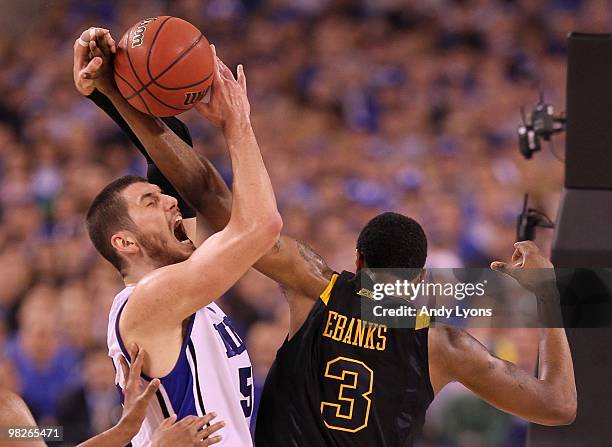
(107, 214)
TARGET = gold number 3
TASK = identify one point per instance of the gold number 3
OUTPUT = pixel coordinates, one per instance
(351, 411)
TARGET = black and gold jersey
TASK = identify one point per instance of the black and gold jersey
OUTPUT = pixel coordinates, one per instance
(344, 381)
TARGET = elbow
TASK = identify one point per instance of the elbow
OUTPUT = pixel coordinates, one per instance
(570, 416)
(567, 413)
(277, 225)
(565, 416)
(272, 227)
(563, 413)
(266, 230)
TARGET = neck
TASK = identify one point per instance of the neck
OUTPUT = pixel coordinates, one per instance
(136, 272)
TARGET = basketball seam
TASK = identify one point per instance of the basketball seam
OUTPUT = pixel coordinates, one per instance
(144, 86)
(163, 103)
(151, 50)
(153, 82)
(172, 64)
(137, 95)
(127, 51)
(154, 79)
(182, 87)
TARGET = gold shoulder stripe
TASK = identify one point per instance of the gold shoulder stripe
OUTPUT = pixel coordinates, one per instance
(422, 321)
(327, 292)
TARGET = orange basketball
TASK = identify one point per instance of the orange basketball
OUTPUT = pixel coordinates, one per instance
(163, 66)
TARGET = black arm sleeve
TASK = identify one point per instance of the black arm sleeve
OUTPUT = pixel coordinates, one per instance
(154, 175)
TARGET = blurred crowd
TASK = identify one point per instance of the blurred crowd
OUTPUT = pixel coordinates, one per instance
(359, 107)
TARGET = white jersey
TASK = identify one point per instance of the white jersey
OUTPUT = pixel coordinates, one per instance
(213, 373)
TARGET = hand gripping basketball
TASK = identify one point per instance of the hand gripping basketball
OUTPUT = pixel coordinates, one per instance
(86, 64)
(229, 103)
(163, 66)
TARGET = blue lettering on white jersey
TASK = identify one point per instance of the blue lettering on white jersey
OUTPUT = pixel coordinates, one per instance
(233, 344)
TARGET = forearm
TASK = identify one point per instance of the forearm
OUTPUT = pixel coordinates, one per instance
(118, 436)
(194, 178)
(253, 201)
(197, 180)
(549, 303)
(514, 391)
(457, 356)
(556, 368)
(106, 105)
(549, 399)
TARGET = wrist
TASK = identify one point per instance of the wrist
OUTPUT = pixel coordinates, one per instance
(111, 93)
(546, 287)
(123, 432)
(85, 91)
(549, 306)
(237, 128)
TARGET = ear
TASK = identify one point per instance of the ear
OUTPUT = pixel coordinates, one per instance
(125, 243)
(359, 261)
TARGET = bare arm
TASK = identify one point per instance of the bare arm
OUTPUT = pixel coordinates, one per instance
(170, 294)
(295, 266)
(136, 401)
(195, 175)
(550, 398)
(14, 412)
(291, 263)
(167, 296)
(115, 436)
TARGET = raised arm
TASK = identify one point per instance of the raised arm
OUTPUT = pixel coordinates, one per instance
(550, 398)
(172, 293)
(86, 70)
(293, 264)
